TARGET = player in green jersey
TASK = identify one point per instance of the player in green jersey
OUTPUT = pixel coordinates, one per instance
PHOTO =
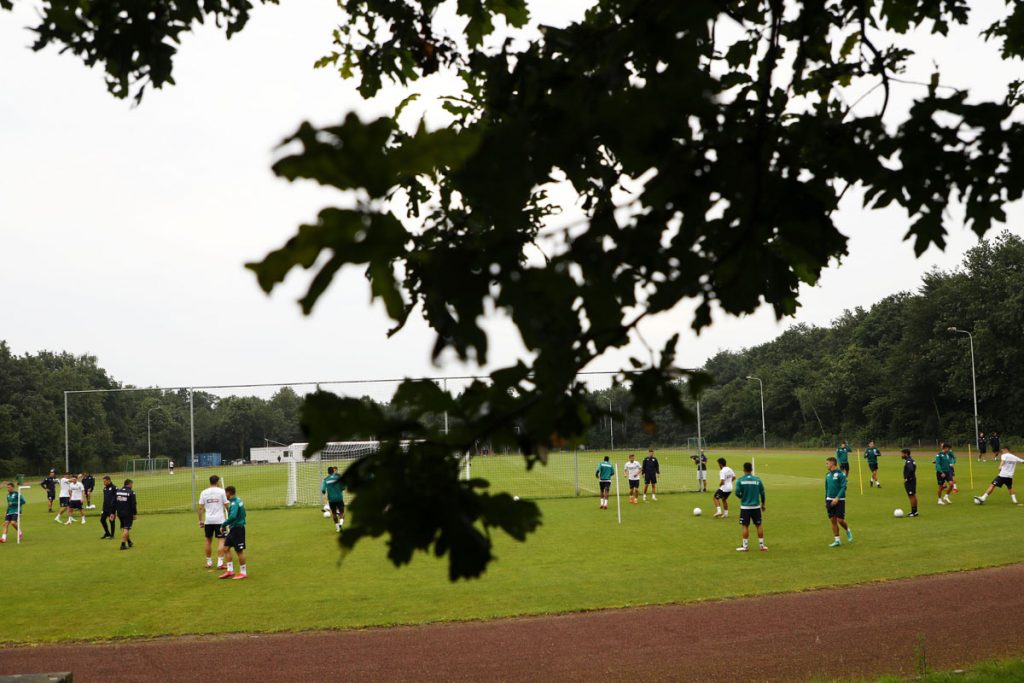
(835, 501)
(15, 501)
(942, 475)
(872, 454)
(334, 490)
(605, 472)
(750, 490)
(234, 527)
(843, 458)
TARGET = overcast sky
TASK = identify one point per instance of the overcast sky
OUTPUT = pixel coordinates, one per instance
(123, 230)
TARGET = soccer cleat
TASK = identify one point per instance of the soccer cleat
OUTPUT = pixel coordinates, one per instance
(725, 514)
(654, 497)
(67, 522)
(979, 500)
(124, 547)
(940, 502)
(3, 540)
(645, 497)
(226, 575)
(57, 519)
(912, 514)
(717, 514)
(764, 549)
(741, 549)
(834, 544)
(130, 544)
(83, 520)
(239, 577)
(878, 485)
(947, 500)
(849, 536)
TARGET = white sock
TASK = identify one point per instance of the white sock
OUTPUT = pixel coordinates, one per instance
(760, 542)
(209, 562)
(718, 510)
(241, 569)
(220, 562)
(745, 543)
(341, 522)
(231, 567)
(837, 539)
(4, 537)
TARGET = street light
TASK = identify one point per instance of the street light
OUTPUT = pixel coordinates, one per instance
(974, 382)
(764, 431)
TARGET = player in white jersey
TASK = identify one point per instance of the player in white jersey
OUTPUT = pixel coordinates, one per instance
(726, 476)
(77, 499)
(632, 472)
(1007, 464)
(63, 497)
(212, 505)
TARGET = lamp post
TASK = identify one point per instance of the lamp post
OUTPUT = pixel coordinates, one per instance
(764, 430)
(974, 381)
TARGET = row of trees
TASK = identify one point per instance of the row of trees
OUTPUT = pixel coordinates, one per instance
(895, 372)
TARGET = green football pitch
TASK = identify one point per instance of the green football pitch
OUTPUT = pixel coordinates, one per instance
(63, 583)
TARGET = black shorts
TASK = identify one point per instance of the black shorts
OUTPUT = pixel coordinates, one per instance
(748, 516)
(50, 495)
(722, 495)
(941, 478)
(845, 467)
(75, 504)
(838, 510)
(651, 480)
(213, 530)
(634, 483)
(605, 485)
(910, 486)
(873, 466)
(1003, 481)
(982, 449)
(11, 517)
(64, 502)
(126, 521)
(88, 492)
(236, 538)
(337, 506)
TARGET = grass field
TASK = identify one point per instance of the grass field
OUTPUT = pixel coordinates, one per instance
(63, 583)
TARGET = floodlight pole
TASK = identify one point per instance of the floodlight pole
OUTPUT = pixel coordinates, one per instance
(764, 430)
(974, 383)
(67, 446)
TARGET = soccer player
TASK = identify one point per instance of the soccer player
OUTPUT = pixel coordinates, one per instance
(651, 470)
(993, 441)
(942, 476)
(910, 480)
(170, 466)
(126, 508)
(872, 454)
(1007, 464)
(726, 476)
(835, 501)
(89, 482)
(75, 502)
(750, 491)
(50, 484)
(701, 461)
(109, 501)
(982, 446)
(235, 529)
(213, 503)
(843, 458)
(334, 490)
(952, 471)
(604, 474)
(631, 470)
(63, 497)
(15, 501)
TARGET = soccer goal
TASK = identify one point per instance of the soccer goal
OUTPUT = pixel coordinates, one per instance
(696, 444)
(306, 474)
(140, 466)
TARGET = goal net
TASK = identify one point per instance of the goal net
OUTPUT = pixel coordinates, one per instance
(696, 444)
(139, 466)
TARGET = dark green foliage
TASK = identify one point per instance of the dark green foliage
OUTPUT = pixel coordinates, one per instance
(727, 120)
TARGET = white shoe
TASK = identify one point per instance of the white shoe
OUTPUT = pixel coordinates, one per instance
(654, 497)
(67, 522)
(979, 500)
(645, 497)
(741, 549)
(57, 519)
(946, 498)
(725, 514)
(940, 502)
(717, 514)
(83, 520)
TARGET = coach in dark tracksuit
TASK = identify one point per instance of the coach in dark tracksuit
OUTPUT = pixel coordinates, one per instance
(109, 506)
(125, 508)
(50, 484)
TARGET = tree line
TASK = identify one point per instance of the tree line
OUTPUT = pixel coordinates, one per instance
(895, 372)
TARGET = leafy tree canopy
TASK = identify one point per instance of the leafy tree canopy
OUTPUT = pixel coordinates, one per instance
(708, 143)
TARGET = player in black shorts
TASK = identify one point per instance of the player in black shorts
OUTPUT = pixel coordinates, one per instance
(126, 508)
(982, 446)
(910, 480)
(50, 484)
(109, 507)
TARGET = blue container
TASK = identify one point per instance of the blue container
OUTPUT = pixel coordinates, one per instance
(208, 459)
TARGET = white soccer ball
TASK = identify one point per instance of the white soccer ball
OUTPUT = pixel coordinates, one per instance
(897, 512)
(327, 514)
(977, 501)
(697, 512)
(515, 498)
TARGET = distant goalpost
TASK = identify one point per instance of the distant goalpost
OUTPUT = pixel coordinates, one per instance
(137, 466)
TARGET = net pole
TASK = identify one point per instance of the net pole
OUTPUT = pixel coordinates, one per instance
(618, 502)
(192, 447)
(970, 464)
(860, 474)
(20, 525)
(576, 467)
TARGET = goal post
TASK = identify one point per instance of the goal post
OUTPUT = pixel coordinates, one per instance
(138, 466)
(696, 444)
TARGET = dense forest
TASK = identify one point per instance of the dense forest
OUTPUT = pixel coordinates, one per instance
(894, 373)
